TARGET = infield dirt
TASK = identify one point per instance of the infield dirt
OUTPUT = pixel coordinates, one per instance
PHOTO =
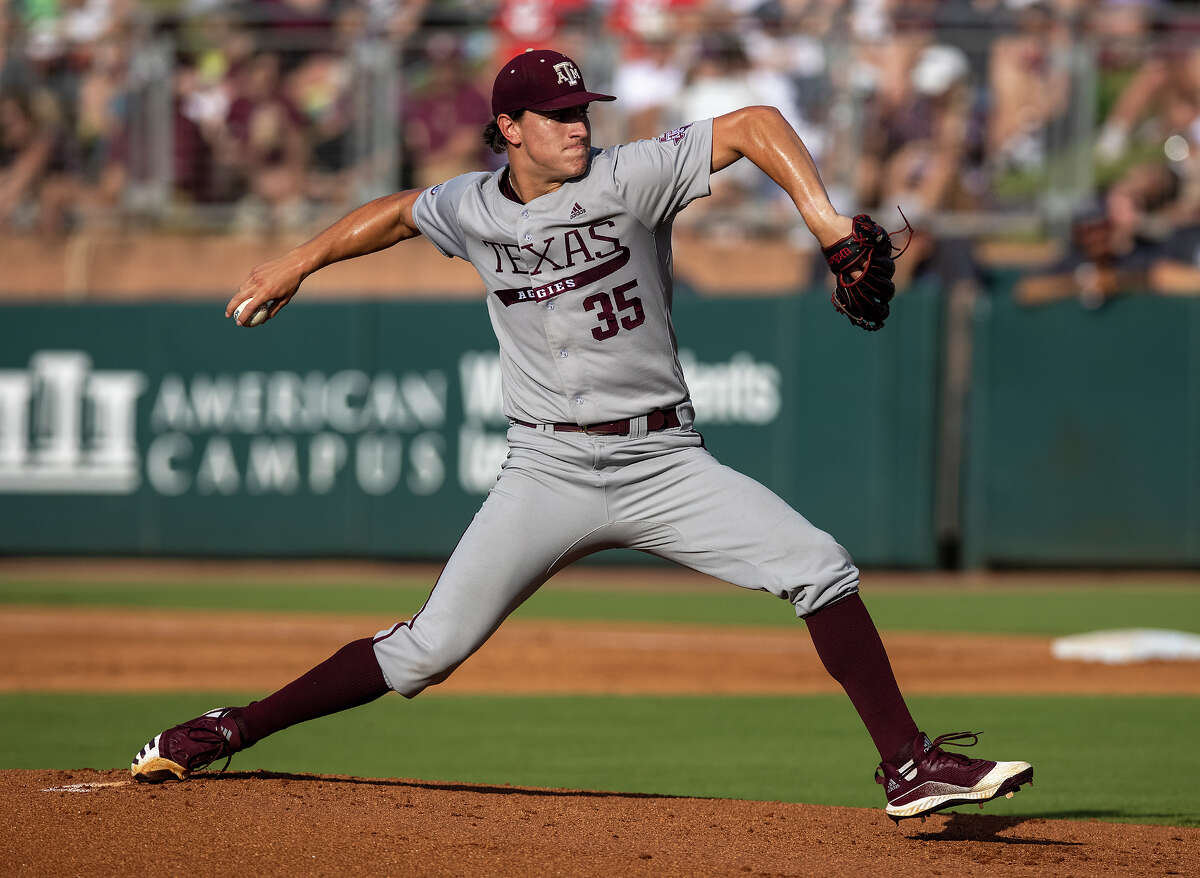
(130, 650)
(99, 823)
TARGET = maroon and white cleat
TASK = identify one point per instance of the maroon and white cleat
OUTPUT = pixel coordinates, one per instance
(190, 746)
(934, 779)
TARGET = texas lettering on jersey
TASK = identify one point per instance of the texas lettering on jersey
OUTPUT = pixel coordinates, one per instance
(611, 256)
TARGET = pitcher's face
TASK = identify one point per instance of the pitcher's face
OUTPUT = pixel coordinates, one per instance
(558, 142)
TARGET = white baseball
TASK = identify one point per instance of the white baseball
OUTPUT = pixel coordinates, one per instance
(258, 316)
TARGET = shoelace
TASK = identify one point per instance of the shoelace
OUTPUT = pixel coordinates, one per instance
(955, 739)
(208, 736)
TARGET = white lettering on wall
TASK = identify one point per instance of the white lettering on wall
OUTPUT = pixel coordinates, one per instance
(164, 464)
(740, 390)
(218, 473)
(479, 375)
(15, 390)
(378, 459)
(213, 403)
(326, 457)
(113, 397)
(68, 429)
(273, 466)
(480, 455)
(427, 470)
(58, 414)
(348, 401)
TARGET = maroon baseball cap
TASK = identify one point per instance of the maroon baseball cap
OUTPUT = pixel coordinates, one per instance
(540, 80)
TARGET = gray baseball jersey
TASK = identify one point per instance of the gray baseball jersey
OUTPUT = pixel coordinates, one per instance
(579, 281)
(579, 290)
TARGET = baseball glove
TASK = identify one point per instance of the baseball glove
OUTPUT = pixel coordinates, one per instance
(863, 263)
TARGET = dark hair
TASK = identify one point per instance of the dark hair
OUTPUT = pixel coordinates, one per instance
(496, 141)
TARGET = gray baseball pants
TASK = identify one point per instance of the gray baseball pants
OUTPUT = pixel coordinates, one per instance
(561, 496)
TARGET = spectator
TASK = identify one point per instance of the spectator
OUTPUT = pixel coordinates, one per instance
(657, 40)
(913, 135)
(95, 174)
(208, 71)
(271, 149)
(657, 19)
(1148, 69)
(294, 29)
(531, 24)
(444, 118)
(1106, 257)
(15, 72)
(199, 139)
(219, 44)
(27, 147)
(394, 20)
(1157, 118)
(1028, 88)
(273, 128)
(788, 42)
(648, 82)
(768, 40)
(883, 84)
(720, 80)
(58, 29)
(321, 88)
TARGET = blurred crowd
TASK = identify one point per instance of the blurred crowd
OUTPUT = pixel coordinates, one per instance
(1071, 118)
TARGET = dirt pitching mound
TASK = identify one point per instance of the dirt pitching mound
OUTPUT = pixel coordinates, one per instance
(99, 823)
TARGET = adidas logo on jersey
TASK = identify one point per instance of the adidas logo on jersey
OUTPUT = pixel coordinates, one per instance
(577, 211)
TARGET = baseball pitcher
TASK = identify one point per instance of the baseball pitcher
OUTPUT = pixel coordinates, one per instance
(573, 246)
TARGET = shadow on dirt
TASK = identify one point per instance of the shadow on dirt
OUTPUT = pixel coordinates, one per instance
(980, 827)
(447, 786)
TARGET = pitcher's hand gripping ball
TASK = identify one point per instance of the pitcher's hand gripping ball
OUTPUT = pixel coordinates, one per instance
(863, 263)
(258, 316)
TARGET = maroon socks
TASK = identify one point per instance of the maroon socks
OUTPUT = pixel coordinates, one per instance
(849, 646)
(348, 678)
(843, 633)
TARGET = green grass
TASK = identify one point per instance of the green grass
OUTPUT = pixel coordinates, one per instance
(1048, 610)
(1130, 759)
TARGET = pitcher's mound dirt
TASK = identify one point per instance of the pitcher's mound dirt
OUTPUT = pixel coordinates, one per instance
(98, 823)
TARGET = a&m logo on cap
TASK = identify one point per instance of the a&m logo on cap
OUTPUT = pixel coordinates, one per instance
(567, 72)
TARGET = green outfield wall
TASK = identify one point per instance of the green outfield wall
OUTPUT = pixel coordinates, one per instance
(375, 429)
(1084, 435)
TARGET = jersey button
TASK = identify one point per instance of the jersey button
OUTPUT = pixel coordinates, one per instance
(528, 237)
(579, 400)
(562, 354)
(549, 306)
(524, 214)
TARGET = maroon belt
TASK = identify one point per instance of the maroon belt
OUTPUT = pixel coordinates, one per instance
(663, 419)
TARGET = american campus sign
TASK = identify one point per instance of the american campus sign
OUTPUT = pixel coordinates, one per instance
(370, 427)
(69, 427)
